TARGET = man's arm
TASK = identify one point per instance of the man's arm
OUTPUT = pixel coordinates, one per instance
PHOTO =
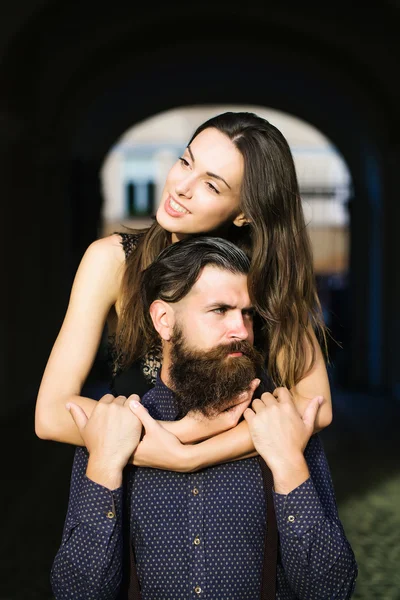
(315, 555)
(88, 563)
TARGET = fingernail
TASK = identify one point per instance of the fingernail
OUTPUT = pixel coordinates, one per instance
(134, 403)
(68, 406)
(320, 399)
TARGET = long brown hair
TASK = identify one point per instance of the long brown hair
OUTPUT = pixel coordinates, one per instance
(281, 278)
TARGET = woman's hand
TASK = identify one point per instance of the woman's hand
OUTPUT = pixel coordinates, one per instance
(195, 426)
(159, 448)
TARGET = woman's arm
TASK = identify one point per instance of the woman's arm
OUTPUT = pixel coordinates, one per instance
(236, 443)
(94, 292)
(315, 383)
(196, 427)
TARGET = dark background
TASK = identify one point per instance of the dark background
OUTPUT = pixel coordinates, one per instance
(73, 78)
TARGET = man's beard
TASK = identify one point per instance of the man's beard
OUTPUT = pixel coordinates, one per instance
(211, 381)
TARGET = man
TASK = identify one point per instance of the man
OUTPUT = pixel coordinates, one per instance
(201, 534)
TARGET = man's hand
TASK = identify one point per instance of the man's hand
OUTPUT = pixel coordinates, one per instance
(195, 426)
(280, 436)
(110, 434)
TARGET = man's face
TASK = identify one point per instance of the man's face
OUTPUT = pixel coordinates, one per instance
(217, 310)
(212, 354)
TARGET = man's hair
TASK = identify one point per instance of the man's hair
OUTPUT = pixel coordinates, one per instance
(177, 268)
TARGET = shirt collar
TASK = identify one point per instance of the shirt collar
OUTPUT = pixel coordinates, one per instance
(160, 386)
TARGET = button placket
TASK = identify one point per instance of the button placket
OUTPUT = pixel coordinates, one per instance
(196, 515)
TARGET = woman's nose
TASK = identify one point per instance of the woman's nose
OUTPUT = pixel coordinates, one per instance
(183, 187)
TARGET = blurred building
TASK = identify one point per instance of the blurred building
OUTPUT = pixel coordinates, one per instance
(134, 173)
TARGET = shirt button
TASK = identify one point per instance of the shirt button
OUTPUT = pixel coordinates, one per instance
(110, 514)
(196, 541)
(195, 491)
(197, 589)
(291, 518)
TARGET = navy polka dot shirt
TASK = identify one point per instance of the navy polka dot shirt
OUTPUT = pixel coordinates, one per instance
(201, 535)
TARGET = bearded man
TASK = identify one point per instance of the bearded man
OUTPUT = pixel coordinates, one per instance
(209, 533)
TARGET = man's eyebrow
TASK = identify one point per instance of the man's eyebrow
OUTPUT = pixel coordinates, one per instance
(228, 307)
(219, 305)
(208, 172)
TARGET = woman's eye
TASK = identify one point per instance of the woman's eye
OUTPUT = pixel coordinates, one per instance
(184, 162)
(212, 188)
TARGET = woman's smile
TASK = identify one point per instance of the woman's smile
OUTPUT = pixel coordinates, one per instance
(174, 208)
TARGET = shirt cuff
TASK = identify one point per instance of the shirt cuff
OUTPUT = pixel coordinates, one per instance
(97, 505)
(298, 511)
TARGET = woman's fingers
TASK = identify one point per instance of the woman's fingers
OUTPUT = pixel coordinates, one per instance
(254, 385)
(249, 415)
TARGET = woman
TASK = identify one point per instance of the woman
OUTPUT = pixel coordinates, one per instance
(236, 179)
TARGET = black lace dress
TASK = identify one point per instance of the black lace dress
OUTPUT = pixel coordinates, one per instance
(141, 375)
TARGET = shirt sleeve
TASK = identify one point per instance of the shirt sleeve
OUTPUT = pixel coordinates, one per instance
(315, 557)
(88, 564)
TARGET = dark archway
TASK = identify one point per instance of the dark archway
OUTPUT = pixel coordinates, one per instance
(73, 78)
(71, 95)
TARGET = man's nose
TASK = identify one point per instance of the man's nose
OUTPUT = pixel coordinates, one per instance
(238, 329)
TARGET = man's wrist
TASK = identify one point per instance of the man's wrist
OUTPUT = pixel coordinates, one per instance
(104, 472)
(289, 473)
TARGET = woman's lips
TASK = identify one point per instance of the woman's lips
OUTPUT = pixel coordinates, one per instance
(175, 209)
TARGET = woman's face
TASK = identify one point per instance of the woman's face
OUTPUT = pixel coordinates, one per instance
(202, 190)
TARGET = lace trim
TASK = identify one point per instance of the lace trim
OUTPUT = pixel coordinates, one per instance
(129, 242)
(150, 363)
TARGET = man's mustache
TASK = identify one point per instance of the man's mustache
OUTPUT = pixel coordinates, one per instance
(223, 350)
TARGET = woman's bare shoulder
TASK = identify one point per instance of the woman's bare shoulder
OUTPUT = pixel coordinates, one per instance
(102, 265)
(105, 255)
(109, 247)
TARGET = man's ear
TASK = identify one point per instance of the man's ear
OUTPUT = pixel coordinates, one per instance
(240, 220)
(163, 318)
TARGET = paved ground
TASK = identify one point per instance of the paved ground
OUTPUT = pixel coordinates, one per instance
(363, 449)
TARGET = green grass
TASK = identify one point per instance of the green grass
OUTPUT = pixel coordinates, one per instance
(372, 525)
